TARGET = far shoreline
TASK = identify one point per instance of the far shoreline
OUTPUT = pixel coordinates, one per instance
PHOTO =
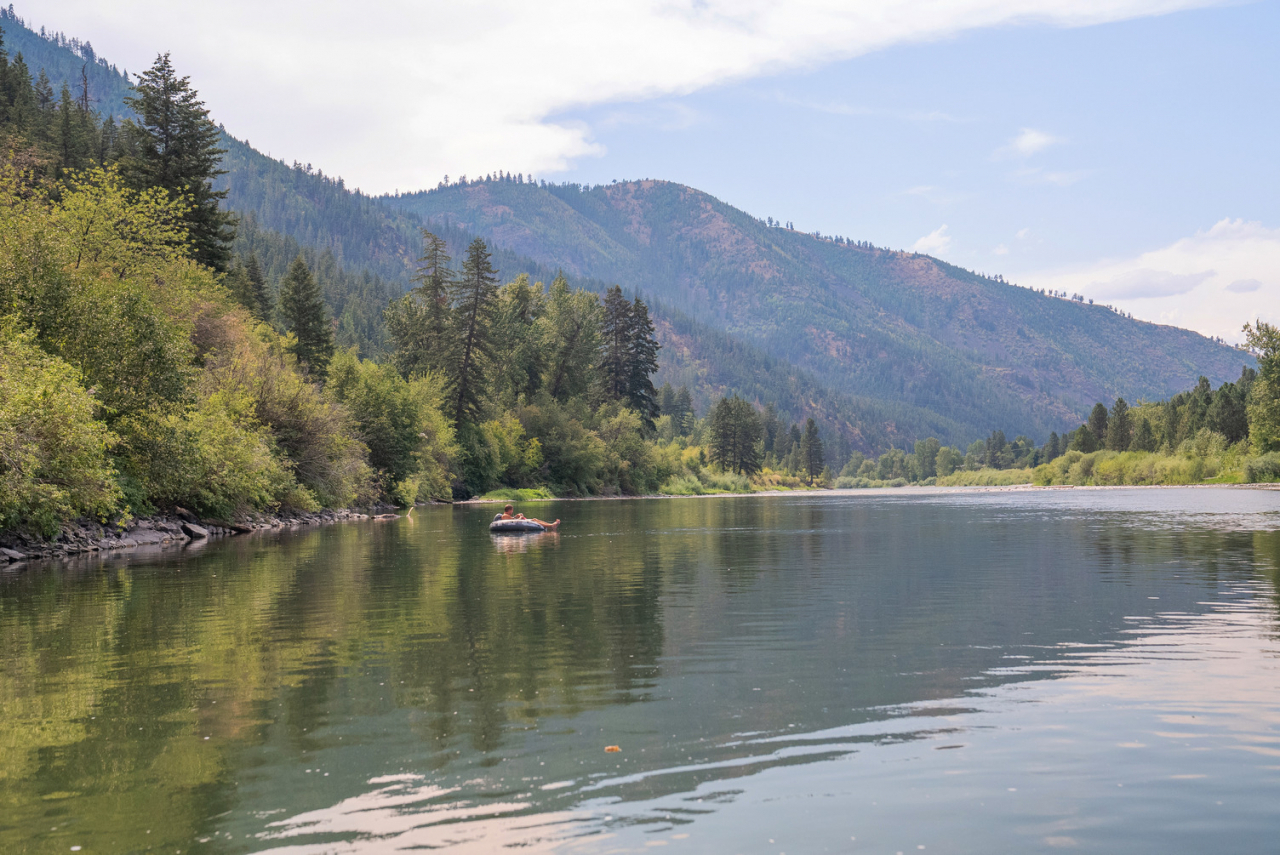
(913, 489)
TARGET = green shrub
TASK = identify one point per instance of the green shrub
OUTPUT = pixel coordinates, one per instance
(986, 478)
(53, 452)
(1264, 468)
(520, 494)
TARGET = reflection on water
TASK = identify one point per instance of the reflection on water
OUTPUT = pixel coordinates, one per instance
(966, 672)
(524, 541)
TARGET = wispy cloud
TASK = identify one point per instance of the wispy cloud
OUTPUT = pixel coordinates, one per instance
(935, 242)
(432, 92)
(1213, 281)
(1036, 175)
(1028, 142)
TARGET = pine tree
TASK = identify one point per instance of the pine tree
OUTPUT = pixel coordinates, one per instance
(630, 355)
(615, 334)
(419, 323)
(685, 415)
(1144, 439)
(1098, 424)
(811, 455)
(176, 149)
(643, 364)
(260, 297)
(734, 436)
(571, 326)
(306, 316)
(1119, 427)
(474, 294)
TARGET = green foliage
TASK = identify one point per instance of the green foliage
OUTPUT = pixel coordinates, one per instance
(570, 325)
(519, 494)
(947, 353)
(986, 478)
(316, 435)
(734, 433)
(1119, 427)
(1263, 468)
(53, 453)
(1264, 397)
(306, 316)
(419, 322)
(215, 460)
(410, 441)
(173, 146)
(474, 296)
(811, 453)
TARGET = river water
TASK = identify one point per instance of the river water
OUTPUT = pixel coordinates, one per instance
(879, 671)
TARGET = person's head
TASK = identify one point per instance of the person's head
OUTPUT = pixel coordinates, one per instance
(508, 509)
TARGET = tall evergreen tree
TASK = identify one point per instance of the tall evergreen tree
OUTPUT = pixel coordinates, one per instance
(306, 316)
(1120, 426)
(811, 455)
(630, 355)
(249, 287)
(571, 326)
(643, 364)
(1264, 395)
(734, 436)
(1098, 424)
(1144, 438)
(615, 334)
(475, 292)
(419, 323)
(176, 148)
(684, 415)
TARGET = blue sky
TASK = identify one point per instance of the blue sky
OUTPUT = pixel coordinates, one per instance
(1134, 134)
(1125, 149)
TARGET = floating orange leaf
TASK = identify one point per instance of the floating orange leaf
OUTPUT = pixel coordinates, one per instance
(612, 748)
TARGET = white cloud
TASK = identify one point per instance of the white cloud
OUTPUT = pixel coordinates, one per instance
(1029, 141)
(389, 93)
(1213, 282)
(1000, 250)
(1244, 286)
(934, 242)
(1022, 234)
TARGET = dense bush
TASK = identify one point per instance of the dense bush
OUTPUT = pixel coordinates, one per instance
(1263, 468)
(53, 453)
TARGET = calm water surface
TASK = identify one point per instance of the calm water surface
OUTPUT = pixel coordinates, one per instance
(882, 672)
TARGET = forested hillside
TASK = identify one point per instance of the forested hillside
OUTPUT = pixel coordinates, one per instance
(67, 60)
(882, 347)
(894, 327)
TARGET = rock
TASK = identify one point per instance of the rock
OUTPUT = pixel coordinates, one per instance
(194, 530)
(387, 517)
(12, 554)
(240, 528)
(186, 515)
(147, 536)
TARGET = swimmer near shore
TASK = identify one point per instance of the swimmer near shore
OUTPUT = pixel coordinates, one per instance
(509, 513)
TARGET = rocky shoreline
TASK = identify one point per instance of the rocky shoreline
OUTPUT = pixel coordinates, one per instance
(89, 536)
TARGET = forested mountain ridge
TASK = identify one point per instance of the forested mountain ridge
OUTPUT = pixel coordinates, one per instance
(895, 327)
(887, 347)
(63, 60)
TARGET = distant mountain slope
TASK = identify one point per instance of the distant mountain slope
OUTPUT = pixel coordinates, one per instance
(894, 327)
(63, 59)
(883, 347)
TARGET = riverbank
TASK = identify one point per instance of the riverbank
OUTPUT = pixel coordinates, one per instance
(912, 489)
(87, 536)
(174, 530)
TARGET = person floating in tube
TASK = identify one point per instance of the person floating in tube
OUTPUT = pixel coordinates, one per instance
(509, 513)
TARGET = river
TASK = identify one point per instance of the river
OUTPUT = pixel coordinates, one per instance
(876, 671)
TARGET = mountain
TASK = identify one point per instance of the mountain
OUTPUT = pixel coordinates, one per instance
(896, 328)
(881, 347)
(63, 60)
